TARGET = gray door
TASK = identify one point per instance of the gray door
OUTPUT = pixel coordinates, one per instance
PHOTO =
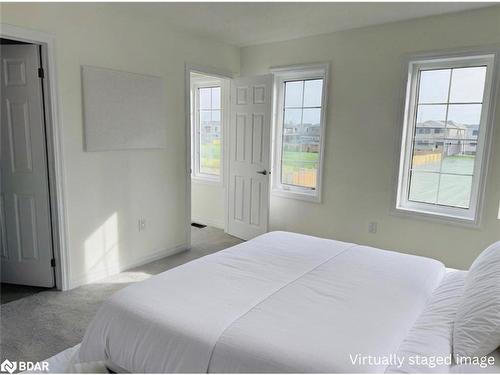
(26, 242)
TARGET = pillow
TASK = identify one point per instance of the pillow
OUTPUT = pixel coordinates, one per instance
(476, 331)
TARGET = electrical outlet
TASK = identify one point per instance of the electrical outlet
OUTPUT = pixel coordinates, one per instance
(141, 224)
(372, 227)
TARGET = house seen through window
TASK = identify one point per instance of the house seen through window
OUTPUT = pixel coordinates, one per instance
(446, 127)
(209, 130)
(301, 132)
(449, 114)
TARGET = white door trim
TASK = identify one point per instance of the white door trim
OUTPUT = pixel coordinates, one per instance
(195, 68)
(55, 146)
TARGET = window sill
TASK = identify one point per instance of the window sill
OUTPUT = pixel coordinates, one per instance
(296, 194)
(206, 181)
(437, 217)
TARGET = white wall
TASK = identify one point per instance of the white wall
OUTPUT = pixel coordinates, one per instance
(362, 135)
(108, 191)
(207, 204)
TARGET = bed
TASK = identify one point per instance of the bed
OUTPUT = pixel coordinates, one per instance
(282, 302)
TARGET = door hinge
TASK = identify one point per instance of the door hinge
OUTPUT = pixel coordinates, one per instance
(52, 262)
(41, 73)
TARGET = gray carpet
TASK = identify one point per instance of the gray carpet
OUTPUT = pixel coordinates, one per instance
(37, 327)
(11, 292)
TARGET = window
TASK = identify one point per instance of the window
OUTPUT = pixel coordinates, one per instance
(207, 127)
(209, 130)
(299, 131)
(446, 125)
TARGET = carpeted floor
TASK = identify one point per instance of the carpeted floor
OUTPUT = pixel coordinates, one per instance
(37, 327)
(11, 292)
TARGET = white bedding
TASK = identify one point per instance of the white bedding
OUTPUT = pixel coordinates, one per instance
(431, 335)
(282, 302)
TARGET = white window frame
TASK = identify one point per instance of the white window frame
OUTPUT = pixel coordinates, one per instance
(198, 83)
(288, 73)
(469, 215)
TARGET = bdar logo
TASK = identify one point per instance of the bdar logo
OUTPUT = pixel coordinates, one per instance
(8, 366)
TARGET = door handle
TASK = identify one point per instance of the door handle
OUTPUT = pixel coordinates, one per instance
(264, 172)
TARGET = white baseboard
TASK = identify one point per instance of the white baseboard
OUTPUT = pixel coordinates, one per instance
(210, 222)
(101, 274)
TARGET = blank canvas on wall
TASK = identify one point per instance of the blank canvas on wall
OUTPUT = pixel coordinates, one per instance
(122, 110)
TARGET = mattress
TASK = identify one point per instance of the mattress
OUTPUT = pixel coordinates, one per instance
(282, 302)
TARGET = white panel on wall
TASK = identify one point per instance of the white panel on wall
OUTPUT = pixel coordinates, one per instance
(122, 110)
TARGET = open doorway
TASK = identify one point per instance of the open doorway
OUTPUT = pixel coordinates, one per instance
(32, 220)
(209, 114)
(27, 256)
(26, 225)
(229, 131)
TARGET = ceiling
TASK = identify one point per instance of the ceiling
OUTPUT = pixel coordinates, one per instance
(243, 24)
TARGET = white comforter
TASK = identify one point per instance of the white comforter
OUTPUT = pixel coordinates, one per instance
(281, 302)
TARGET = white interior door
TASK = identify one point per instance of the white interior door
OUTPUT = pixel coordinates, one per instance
(249, 156)
(26, 243)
